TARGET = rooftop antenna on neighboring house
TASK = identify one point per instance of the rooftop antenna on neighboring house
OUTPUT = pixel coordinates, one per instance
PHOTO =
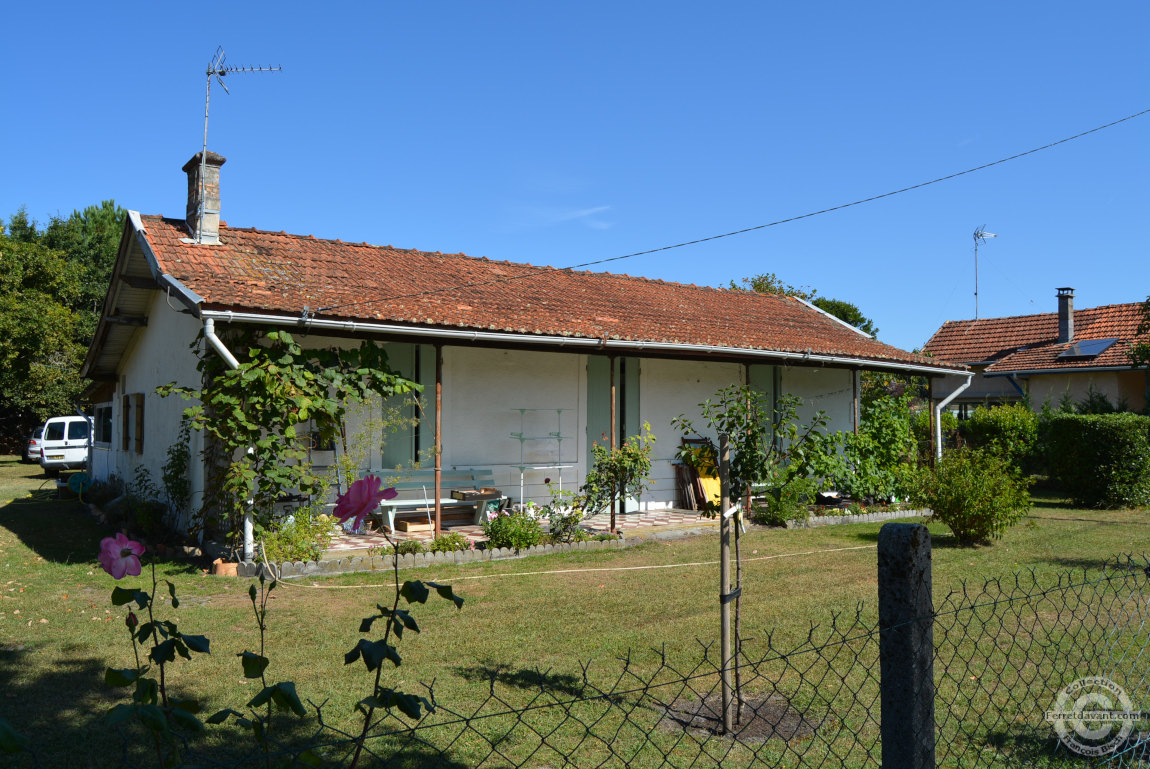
(217, 68)
(980, 236)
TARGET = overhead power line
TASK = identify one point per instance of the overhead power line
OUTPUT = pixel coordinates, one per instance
(742, 231)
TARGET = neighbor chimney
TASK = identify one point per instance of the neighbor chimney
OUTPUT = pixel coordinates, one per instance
(1065, 315)
(203, 215)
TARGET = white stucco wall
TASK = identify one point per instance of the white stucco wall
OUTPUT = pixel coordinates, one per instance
(483, 391)
(668, 388)
(159, 354)
(822, 389)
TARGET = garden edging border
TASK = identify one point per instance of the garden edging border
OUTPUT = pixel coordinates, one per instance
(367, 563)
(815, 521)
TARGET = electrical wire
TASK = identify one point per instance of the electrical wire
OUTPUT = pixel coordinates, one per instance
(743, 231)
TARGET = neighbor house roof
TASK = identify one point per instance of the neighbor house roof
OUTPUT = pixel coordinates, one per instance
(1030, 342)
(255, 271)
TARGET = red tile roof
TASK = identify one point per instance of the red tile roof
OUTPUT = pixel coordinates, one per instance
(1030, 342)
(257, 271)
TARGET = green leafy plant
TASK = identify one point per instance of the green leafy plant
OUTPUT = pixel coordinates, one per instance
(1101, 460)
(564, 513)
(1008, 430)
(255, 415)
(280, 695)
(979, 495)
(409, 547)
(619, 472)
(791, 503)
(174, 473)
(450, 542)
(516, 529)
(161, 715)
(304, 536)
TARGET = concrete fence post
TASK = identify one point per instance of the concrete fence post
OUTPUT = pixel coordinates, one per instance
(906, 646)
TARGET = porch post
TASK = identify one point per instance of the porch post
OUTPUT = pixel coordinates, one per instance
(856, 376)
(614, 438)
(438, 437)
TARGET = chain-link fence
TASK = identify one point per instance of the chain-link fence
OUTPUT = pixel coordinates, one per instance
(1006, 656)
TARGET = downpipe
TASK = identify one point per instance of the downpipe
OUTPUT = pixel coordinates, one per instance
(938, 414)
(218, 345)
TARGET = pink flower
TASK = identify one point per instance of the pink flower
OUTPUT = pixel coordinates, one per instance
(361, 499)
(120, 555)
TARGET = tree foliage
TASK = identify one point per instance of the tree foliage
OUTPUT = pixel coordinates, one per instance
(847, 313)
(770, 283)
(1140, 350)
(52, 286)
(42, 339)
(259, 414)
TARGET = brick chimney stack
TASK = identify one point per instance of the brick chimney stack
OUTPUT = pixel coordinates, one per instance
(203, 213)
(1065, 315)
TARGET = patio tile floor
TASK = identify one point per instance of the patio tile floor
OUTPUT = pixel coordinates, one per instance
(632, 523)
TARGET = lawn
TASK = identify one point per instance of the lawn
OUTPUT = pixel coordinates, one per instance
(58, 631)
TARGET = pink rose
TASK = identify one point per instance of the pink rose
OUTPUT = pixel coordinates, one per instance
(361, 499)
(120, 555)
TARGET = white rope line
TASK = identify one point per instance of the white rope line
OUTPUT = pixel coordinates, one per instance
(588, 571)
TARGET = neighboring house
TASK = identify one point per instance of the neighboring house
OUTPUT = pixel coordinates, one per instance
(1047, 357)
(522, 350)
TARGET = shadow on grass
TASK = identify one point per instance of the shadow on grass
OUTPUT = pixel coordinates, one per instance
(524, 678)
(938, 540)
(61, 531)
(61, 711)
(1111, 564)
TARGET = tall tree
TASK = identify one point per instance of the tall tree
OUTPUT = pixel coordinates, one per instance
(770, 283)
(847, 313)
(42, 339)
(1140, 350)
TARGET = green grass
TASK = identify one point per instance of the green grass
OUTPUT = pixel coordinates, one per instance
(58, 630)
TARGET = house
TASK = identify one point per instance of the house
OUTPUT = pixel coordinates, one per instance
(1048, 357)
(531, 362)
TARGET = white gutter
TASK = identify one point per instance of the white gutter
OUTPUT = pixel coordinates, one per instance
(226, 354)
(570, 341)
(938, 414)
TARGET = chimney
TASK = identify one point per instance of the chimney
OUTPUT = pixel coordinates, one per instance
(1065, 315)
(203, 215)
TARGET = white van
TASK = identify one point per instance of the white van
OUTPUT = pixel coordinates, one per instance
(64, 444)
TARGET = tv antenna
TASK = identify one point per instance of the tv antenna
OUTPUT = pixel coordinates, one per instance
(980, 236)
(218, 69)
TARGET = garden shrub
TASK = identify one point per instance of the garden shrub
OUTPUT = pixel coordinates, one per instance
(302, 537)
(450, 542)
(979, 495)
(788, 502)
(409, 547)
(1101, 460)
(512, 528)
(564, 513)
(1009, 430)
(920, 427)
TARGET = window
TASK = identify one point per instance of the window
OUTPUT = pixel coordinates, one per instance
(55, 431)
(103, 424)
(78, 431)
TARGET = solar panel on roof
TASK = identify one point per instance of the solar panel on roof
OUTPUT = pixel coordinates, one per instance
(1087, 348)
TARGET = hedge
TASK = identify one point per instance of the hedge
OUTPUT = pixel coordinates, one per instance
(1101, 460)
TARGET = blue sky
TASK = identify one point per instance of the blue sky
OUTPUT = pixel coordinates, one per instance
(560, 133)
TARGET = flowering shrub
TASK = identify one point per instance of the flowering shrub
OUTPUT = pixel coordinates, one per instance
(516, 529)
(564, 513)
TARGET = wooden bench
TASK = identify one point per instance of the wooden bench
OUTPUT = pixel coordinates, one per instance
(417, 495)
